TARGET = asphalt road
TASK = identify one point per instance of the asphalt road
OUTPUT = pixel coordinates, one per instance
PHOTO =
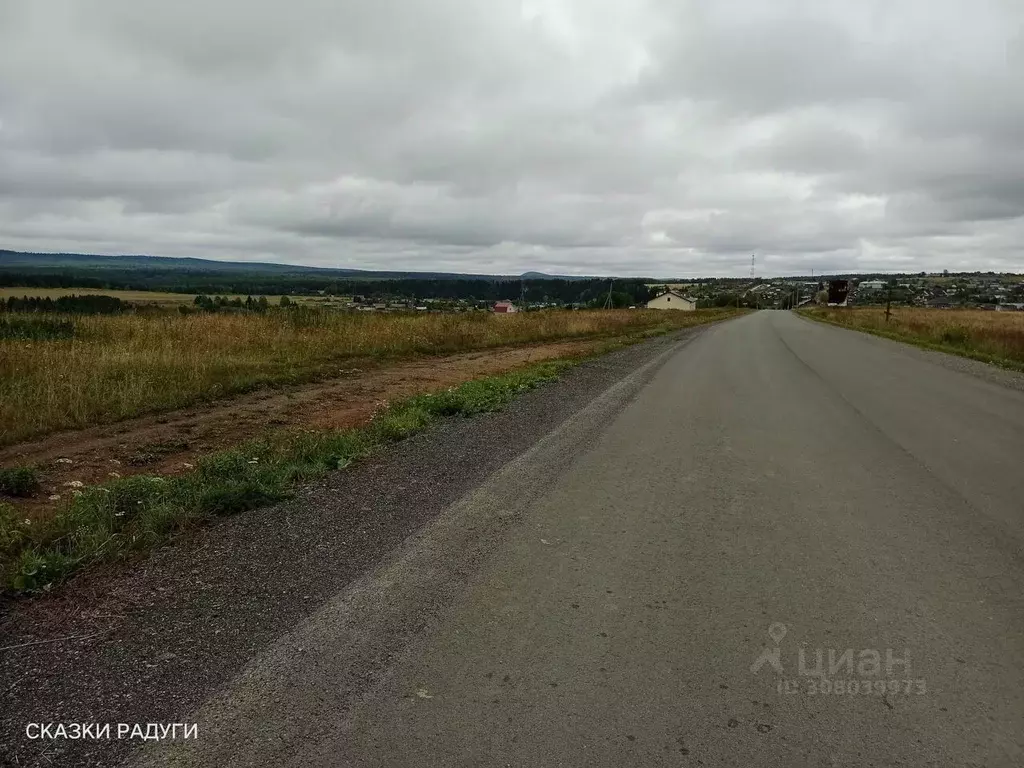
(863, 499)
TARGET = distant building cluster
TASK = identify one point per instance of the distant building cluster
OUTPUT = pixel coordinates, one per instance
(1000, 293)
(981, 291)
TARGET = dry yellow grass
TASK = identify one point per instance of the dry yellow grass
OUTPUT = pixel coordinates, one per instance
(998, 336)
(124, 365)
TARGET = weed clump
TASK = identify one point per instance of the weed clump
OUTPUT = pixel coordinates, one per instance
(18, 481)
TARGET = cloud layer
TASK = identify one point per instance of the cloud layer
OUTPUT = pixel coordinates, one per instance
(654, 137)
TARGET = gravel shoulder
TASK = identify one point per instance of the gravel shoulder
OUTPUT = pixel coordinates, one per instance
(151, 643)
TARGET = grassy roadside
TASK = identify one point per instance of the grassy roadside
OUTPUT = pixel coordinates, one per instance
(133, 514)
(996, 338)
(136, 513)
(71, 372)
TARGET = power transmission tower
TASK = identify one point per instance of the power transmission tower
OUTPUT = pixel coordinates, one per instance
(608, 301)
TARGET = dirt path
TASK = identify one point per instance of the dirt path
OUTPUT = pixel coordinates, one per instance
(169, 443)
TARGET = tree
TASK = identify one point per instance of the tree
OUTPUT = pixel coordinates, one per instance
(725, 300)
(621, 299)
(285, 302)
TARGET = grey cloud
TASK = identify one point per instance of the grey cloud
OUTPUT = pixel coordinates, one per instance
(582, 136)
(723, 53)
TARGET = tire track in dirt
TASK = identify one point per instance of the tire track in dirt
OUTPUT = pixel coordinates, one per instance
(169, 443)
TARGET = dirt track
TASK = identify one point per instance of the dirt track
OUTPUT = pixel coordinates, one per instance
(168, 443)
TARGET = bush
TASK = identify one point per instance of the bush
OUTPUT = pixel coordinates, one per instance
(94, 304)
(19, 481)
(35, 329)
(956, 335)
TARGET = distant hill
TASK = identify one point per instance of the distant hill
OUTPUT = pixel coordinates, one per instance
(41, 260)
(48, 262)
(164, 264)
(544, 276)
(208, 277)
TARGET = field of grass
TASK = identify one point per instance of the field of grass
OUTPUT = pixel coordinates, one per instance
(76, 371)
(996, 337)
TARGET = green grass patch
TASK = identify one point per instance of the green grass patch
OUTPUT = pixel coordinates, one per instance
(132, 514)
(13, 530)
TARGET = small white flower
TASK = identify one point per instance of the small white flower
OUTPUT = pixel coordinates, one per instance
(74, 484)
(55, 497)
(27, 521)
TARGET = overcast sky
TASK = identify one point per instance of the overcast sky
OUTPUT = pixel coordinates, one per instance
(632, 137)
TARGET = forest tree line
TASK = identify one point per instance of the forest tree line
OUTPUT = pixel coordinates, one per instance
(584, 291)
(79, 305)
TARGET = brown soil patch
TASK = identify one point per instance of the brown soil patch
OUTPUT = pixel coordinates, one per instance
(169, 443)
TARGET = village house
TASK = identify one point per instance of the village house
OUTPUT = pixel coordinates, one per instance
(672, 300)
(503, 308)
(872, 285)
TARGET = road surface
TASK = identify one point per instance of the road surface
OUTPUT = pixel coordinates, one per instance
(774, 489)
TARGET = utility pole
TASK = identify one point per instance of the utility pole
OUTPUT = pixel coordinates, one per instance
(888, 302)
(757, 296)
(608, 301)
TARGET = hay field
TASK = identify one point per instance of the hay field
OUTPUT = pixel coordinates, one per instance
(996, 336)
(111, 367)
